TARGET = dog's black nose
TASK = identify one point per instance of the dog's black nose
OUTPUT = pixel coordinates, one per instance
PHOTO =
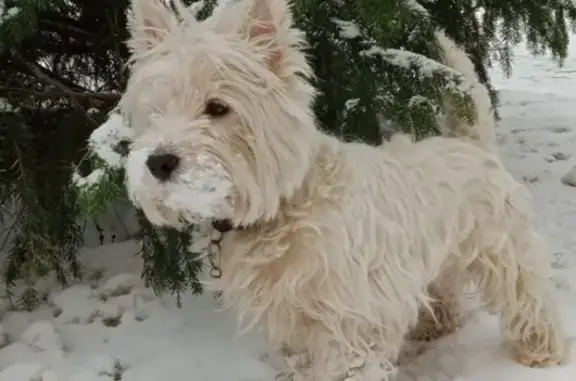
(162, 165)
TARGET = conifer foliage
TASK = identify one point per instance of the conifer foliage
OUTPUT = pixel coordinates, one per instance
(62, 70)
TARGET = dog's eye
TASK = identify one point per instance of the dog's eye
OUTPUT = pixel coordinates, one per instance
(216, 108)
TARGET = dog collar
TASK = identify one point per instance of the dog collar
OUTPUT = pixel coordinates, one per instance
(219, 228)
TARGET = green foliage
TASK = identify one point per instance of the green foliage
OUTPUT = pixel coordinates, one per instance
(45, 234)
(104, 188)
(59, 66)
(20, 20)
(169, 264)
(62, 71)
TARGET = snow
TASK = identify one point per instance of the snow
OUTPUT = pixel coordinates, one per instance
(104, 143)
(113, 328)
(5, 106)
(42, 336)
(351, 103)
(348, 29)
(416, 6)
(7, 14)
(196, 7)
(104, 140)
(11, 12)
(93, 178)
(202, 191)
(417, 100)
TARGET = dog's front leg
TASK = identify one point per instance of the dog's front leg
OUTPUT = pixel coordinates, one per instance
(289, 365)
(374, 367)
(335, 362)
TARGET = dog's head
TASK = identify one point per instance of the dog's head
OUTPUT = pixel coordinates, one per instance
(221, 109)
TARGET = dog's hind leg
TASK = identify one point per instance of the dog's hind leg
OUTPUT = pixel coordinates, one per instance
(441, 317)
(511, 271)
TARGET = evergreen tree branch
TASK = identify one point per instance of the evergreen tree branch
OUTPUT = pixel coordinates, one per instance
(48, 78)
(119, 50)
(63, 26)
(53, 94)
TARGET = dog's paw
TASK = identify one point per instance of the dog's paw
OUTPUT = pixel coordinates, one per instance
(412, 349)
(536, 359)
(284, 376)
(372, 370)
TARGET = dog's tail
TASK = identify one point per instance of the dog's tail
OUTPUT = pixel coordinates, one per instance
(483, 132)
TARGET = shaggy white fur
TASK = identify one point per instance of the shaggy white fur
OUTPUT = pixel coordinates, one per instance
(341, 250)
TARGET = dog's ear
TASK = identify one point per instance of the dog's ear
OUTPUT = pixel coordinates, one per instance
(149, 23)
(268, 25)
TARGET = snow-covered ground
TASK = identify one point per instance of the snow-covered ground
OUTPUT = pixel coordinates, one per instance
(112, 328)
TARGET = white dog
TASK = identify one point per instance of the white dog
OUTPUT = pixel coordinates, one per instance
(340, 250)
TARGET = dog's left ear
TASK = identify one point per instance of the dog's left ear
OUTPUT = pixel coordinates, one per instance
(268, 26)
(149, 23)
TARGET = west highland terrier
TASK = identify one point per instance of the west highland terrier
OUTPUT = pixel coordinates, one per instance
(342, 251)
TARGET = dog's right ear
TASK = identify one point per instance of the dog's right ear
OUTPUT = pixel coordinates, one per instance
(149, 23)
(268, 24)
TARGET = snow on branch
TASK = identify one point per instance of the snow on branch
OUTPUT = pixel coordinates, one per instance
(104, 144)
(87, 181)
(7, 13)
(417, 7)
(348, 29)
(5, 106)
(196, 7)
(104, 140)
(424, 65)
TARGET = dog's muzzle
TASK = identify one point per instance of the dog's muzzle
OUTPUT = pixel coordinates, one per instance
(171, 187)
